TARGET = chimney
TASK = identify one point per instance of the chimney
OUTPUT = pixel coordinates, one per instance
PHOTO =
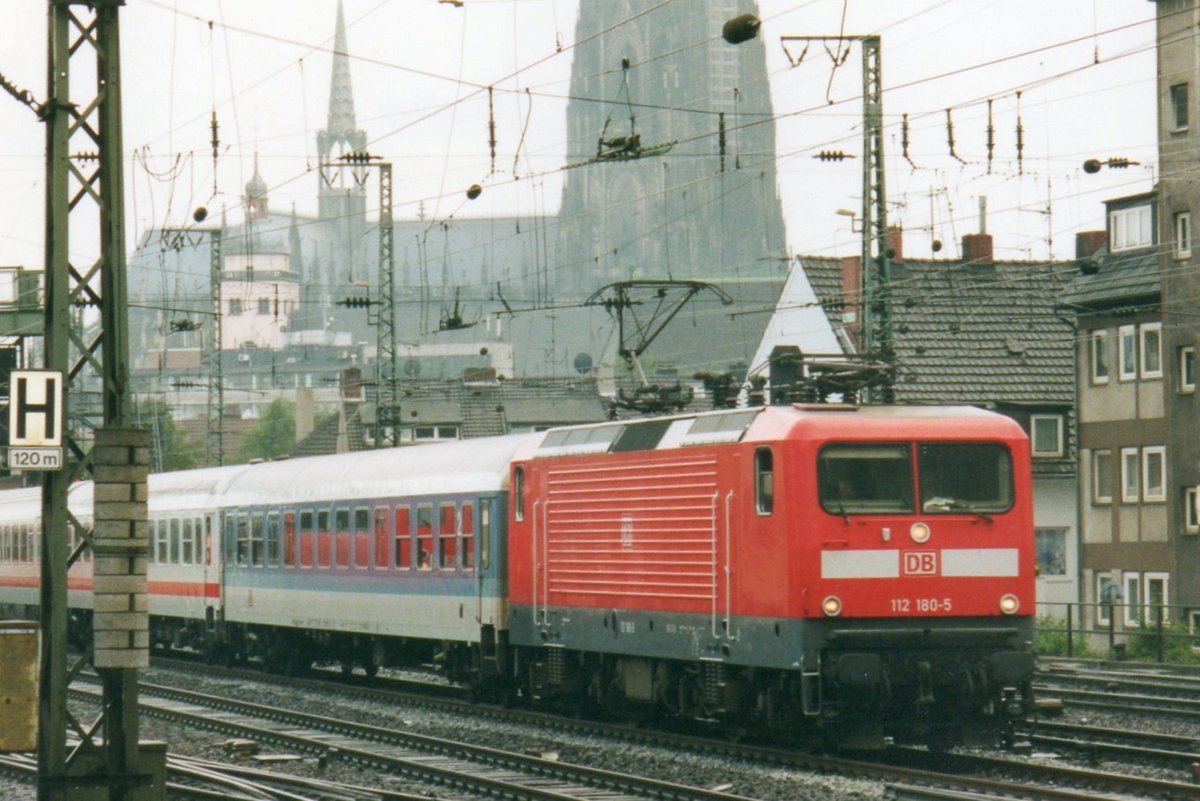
(1088, 242)
(895, 243)
(977, 248)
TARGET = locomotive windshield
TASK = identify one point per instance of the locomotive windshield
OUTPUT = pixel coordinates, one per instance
(965, 477)
(866, 479)
(954, 478)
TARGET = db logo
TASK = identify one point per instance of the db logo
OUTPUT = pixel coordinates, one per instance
(920, 563)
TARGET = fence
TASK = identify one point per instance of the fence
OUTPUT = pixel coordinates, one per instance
(1118, 631)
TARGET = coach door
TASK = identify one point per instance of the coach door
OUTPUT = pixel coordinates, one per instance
(212, 567)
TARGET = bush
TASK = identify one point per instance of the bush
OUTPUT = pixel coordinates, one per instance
(1176, 646)
(1051, 639)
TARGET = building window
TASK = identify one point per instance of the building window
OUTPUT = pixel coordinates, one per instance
(1130, 485)
(1102, 477)
(235, 306)
(1183, 235)
(1191, 515)
(1132, 599)
(1127, 337)
(264, 306)
(1099, 344)
(1154, 593)
(1108, 592)
(1187, 369)
(1130, 228)
(1179, 107)
(1154, 468)
(1152, 350)
(1046, 434)
(1051, 546)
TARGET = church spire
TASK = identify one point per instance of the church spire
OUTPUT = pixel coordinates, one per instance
(340, 125)
(337, 197)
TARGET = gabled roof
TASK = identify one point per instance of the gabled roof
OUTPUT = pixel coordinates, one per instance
(978, 334)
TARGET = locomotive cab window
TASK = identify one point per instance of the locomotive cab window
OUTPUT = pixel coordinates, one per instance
(865, 479)
(764, 481)
(965, 477)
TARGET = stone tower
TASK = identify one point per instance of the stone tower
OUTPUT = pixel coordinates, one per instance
(691, 213)
(339, 196)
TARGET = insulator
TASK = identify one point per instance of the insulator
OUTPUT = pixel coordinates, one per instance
(1092, 166)
(741, 28)
(833, 155)
(1119, 163)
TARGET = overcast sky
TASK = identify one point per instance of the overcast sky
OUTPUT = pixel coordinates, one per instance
(1085, 70)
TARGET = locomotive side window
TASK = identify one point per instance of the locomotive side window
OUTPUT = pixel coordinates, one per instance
(403, 538)
(518, 493)
(967, 477)
(446, 537)
(865, 479)
(764, 481)
(424, 536)
(306, 538)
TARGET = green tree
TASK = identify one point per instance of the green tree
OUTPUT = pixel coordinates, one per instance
(274, 435)
(171, 448)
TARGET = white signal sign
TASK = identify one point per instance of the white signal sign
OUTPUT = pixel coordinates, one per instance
(35, 406)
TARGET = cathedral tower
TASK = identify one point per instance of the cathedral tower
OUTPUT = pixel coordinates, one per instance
(694, 212)
(339, 195)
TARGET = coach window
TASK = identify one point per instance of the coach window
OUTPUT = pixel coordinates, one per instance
(243, 540)
(764, 481)
(174, 540)
(324, 539)
(273, 539)
(362, 537)
(257, 539)
(187, 552)
(383, 556)
(342, 525)
(447, 515)
(289, 539)
(466, 544)
(424, 536)
(306, 538)
(160, 542)
(518, 492)
(403, 538)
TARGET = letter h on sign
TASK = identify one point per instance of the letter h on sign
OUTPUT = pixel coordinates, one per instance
(35, 408)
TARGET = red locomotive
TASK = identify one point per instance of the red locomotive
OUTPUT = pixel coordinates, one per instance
(863, 573)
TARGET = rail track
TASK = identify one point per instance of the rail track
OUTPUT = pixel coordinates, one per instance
(913, 767)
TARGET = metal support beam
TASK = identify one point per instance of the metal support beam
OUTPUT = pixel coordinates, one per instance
(215, 439)
(386, 417)
(876, 295)
(86, 187)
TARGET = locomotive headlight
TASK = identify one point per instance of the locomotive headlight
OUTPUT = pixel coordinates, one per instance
(1009, 604)
(832, 606)
(919, 532)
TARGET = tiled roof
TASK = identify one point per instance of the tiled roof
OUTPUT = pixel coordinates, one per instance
(1117, 279)
(972, 334)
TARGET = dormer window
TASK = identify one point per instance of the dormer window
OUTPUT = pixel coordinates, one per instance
(1130, 228)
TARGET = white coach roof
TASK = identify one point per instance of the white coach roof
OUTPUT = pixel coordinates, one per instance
(471, 465)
